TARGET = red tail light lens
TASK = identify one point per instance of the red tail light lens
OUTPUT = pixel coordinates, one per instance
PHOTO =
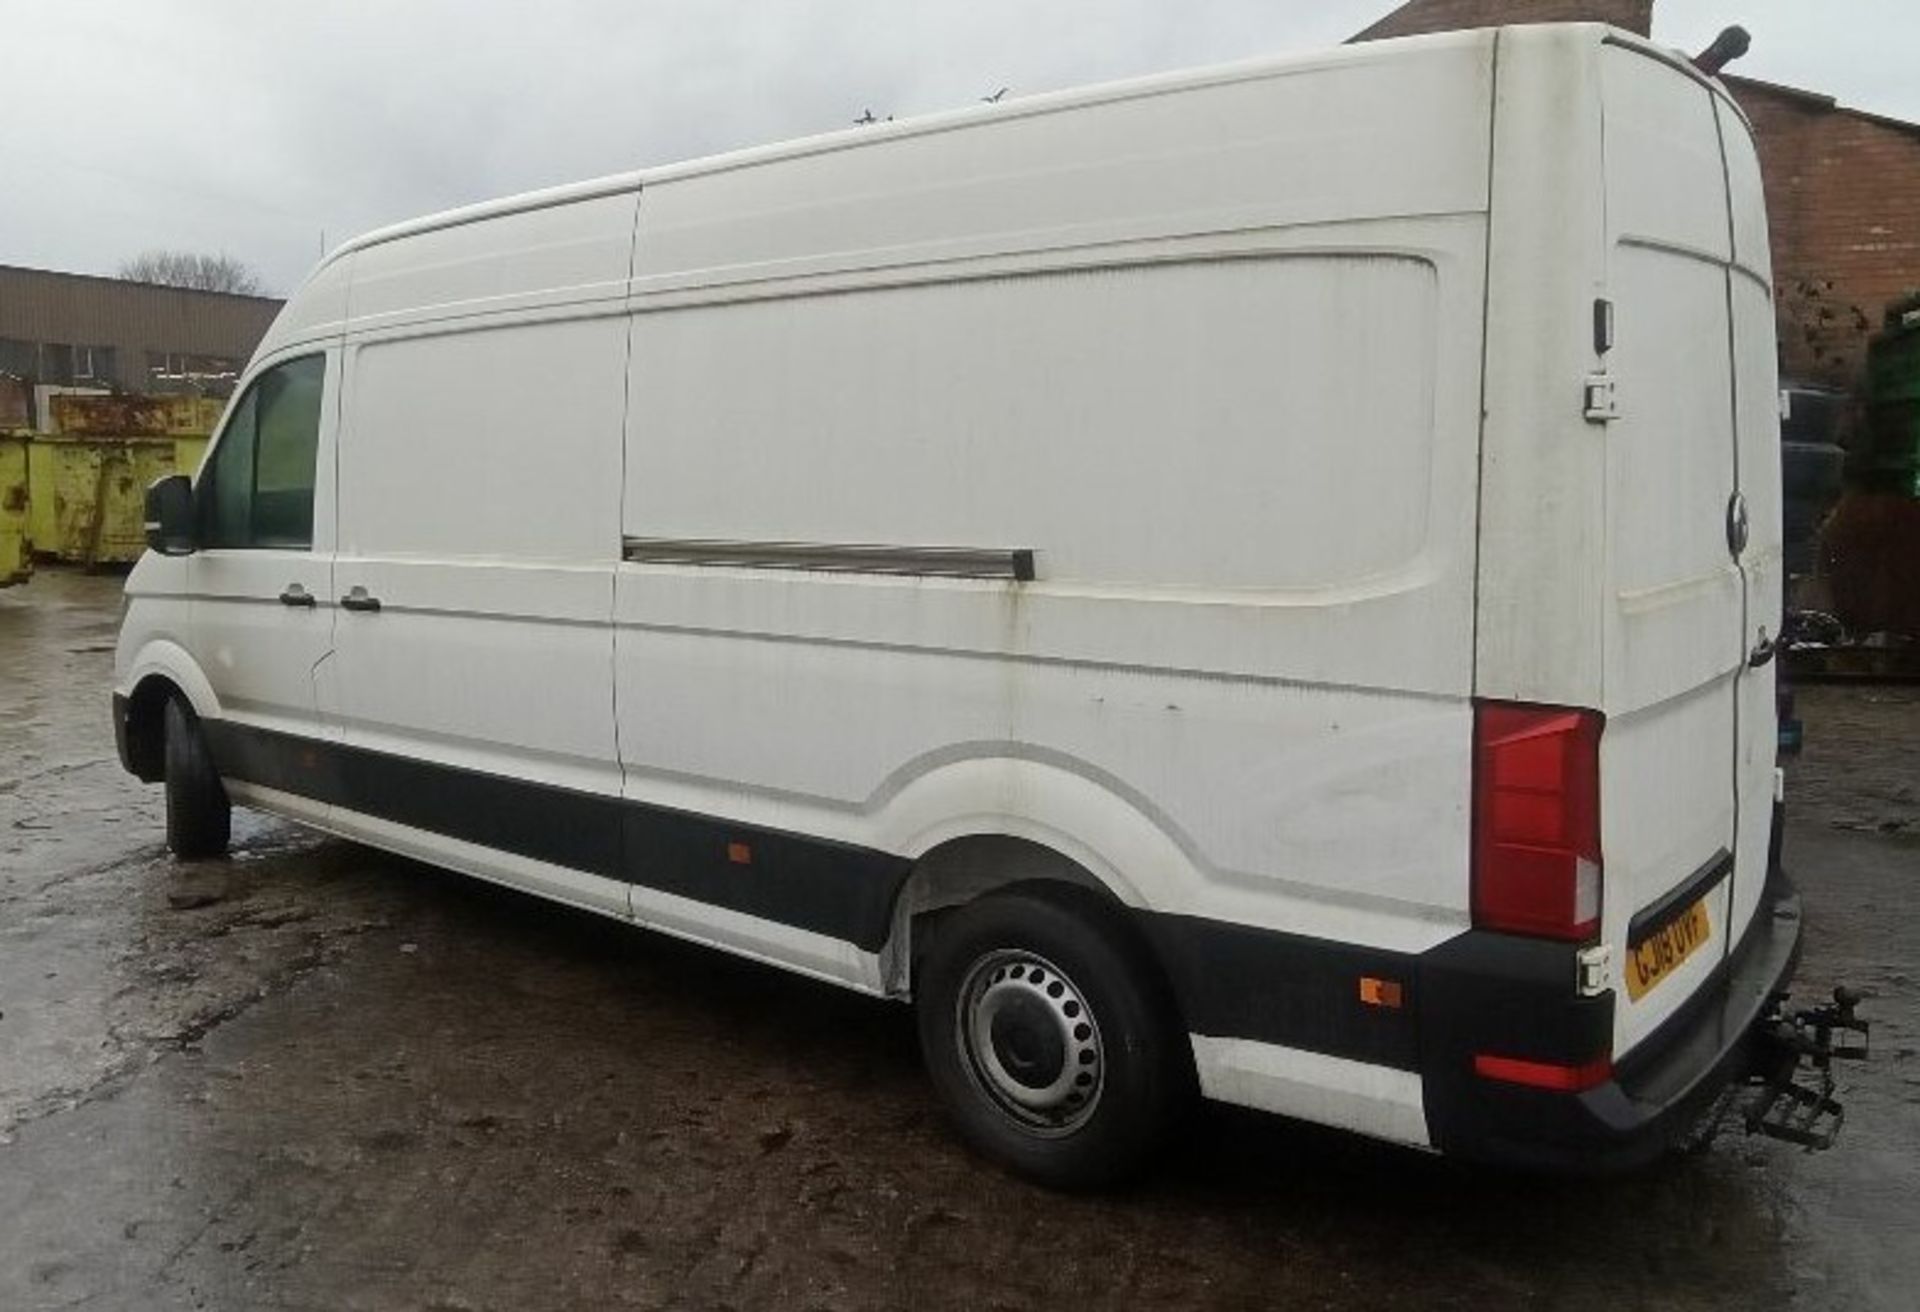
(1544, 1074)
(1536, 820)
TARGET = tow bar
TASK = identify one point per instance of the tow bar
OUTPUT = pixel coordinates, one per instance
(1790, 1084)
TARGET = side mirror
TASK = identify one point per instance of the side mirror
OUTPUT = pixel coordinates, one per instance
(170, 515)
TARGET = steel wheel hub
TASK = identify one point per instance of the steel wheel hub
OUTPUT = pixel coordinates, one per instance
(1030, 1041)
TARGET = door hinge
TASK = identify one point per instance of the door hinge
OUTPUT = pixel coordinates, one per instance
(1602, 405)
(1595, 969)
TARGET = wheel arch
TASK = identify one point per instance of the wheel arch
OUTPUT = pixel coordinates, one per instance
(980, 825)
(162, 670)
(168, 661)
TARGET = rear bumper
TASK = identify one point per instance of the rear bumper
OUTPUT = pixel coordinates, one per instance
(1657, 1092)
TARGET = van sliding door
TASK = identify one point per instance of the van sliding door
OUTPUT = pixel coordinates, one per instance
(479, 526)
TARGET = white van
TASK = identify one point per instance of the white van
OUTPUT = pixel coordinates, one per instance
(1258, 581)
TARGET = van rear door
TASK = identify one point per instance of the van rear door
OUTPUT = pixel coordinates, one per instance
(1693, 349)
(1756, 382)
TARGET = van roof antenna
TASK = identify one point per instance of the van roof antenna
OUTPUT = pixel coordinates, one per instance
(1727, 47)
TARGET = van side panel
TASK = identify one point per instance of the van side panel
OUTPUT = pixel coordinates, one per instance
(1065, 411)
(1225, 390)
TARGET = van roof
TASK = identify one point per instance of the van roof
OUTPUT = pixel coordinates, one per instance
(920, 125)
(949, 120)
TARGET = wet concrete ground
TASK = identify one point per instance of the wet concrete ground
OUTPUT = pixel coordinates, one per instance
(320, 1077)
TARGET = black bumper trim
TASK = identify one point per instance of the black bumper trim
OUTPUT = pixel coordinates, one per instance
(1657, 1092)
(1719, 1018)
(1235, 981)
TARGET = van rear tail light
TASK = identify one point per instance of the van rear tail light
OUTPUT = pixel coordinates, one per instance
(1536, 820)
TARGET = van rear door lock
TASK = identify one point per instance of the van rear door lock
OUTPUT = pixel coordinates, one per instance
(1602, 405)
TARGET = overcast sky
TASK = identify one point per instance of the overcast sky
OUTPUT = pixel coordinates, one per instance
(252, 127)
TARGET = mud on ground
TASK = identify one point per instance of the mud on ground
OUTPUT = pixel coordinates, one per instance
(317, 1076)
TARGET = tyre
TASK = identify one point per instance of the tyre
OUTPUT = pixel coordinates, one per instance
(1050, 1037)
(199, 817)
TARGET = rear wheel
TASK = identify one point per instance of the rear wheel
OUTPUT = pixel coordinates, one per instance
(1049, 1036)
(199, 817)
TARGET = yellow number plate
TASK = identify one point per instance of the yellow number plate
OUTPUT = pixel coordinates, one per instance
(1660, 953)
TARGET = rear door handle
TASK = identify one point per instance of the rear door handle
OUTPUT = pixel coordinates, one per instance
(1763, 651)
(295, 595)
(357, 599)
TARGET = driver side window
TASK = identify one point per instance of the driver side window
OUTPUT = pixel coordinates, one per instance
(257, 490)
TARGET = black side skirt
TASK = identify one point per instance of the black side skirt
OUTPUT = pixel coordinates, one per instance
(837, 889)
(1229, 980)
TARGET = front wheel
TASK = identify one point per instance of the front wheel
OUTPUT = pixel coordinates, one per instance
(1049, 1036)
(199, 817)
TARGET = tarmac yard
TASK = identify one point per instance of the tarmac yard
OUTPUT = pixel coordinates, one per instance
(317, 1076)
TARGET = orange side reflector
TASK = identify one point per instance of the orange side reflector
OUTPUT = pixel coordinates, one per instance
(740, 854)
(1380, 992)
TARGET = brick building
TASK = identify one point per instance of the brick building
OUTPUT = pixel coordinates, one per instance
(1843, 197)
(1843, 188)
(1424, 16)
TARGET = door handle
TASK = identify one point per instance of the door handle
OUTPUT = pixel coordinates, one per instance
(1763, 650)
(357, 599)
(295, 595)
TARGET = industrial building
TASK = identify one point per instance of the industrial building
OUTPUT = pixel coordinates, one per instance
(67, 330)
